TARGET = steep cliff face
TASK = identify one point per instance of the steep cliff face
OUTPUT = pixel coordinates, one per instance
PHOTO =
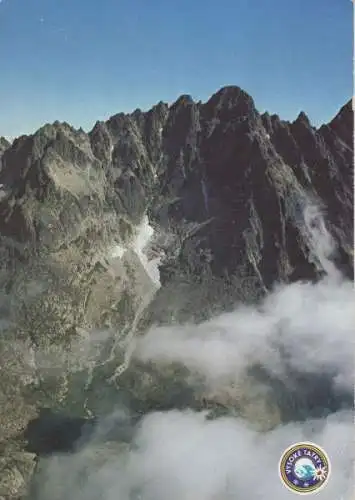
(241, 180)
(233, 187)
(243, 176)
(4, 144)
(233, 197)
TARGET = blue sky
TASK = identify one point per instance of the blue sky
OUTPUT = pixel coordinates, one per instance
(79, 61)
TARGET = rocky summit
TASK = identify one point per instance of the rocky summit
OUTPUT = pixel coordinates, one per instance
(166, 216)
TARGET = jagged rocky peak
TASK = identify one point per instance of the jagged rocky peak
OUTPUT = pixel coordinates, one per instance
(193, 162)
(231, 102)
(230, 95)
(4, 144)
(101, 142)
(182, 101)
(34, 155)
(342, 124)
(271, 123)
(274, 124)
(47, 176)
(344, 116)
(302, 118)
(160, 109)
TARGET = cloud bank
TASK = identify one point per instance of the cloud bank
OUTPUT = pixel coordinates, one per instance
(295, 349)
(301, 329)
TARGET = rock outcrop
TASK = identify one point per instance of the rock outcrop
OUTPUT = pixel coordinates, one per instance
(232, 196)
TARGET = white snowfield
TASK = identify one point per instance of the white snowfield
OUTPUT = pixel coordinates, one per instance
(141, 246)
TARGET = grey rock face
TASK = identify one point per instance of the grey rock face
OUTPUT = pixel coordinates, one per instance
(221, 164)
(226, 189)
(4, 144)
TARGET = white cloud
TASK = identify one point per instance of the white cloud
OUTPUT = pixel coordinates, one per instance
(302, 335)
(181, 455)
(303, 327)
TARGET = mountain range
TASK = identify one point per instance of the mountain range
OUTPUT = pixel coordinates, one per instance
(167, 216)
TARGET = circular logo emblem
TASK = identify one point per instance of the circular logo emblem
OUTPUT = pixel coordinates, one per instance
(304, 468)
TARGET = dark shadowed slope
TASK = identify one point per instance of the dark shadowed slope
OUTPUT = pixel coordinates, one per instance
(247, 174)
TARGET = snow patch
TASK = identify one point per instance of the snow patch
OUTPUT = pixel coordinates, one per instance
(141, 245)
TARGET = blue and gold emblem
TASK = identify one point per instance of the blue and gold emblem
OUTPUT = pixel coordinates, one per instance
(304, 468)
